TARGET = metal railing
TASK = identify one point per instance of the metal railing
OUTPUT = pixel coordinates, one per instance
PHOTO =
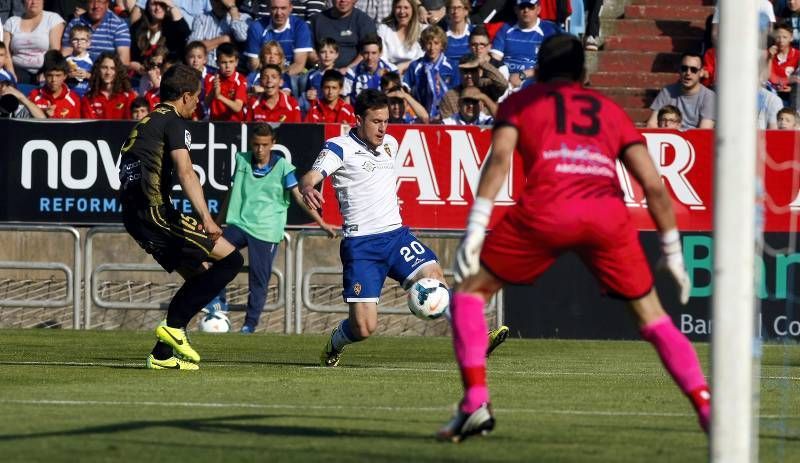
(303, 298)
(92, 292)
(72, 274)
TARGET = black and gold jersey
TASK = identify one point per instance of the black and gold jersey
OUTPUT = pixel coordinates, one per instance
(145, 171)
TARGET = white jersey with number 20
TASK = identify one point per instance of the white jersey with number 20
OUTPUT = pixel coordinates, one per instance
(364, 181)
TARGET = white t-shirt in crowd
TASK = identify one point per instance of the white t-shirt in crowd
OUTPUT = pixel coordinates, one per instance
(28, 48)
(394, 50)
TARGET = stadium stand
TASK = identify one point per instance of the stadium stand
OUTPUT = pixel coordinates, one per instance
(642, 49)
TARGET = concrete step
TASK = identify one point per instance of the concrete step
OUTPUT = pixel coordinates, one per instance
(633, 79)
(630, 97)
(620, 61)
(673, 12)
(652, 43)
(659, 27)
(639, 116)
(675, 2)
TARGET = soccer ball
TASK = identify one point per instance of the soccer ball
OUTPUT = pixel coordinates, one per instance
(428, 298)
(215, 322)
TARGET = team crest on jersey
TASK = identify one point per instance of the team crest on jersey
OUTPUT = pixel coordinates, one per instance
(357, 288)
(388, 151)
(187, 137)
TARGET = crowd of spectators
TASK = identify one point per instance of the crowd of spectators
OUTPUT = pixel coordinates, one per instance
(693, 95)
(440, 61)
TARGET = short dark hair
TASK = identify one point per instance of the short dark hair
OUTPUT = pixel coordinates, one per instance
(560, 56)
(788, 110)
(274, 67)
(390, 78)
(332, 75)
(263, 130)
(370, 39)
(327, 42)
(669, 109)
(179, 79)
(194, 44)
(227, 49)
(80, 28)
(139, 102)
(370, 99)
(2, 45)
(692, 54)
(479, 31)
(55, 61)
(784, 26)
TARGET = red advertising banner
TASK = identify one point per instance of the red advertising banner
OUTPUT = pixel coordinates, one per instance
(439, 167)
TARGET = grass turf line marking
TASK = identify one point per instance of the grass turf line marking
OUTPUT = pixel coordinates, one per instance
(82, 403)
(427, 370)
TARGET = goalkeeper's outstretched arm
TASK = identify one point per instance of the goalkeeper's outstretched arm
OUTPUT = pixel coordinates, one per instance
(659, 204)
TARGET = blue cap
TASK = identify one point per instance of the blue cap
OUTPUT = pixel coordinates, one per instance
(527, 2)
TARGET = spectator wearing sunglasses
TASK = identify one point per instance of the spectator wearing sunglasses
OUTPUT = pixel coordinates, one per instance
(694, 100)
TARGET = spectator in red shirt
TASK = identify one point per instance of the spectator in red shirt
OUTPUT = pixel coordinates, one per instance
(110, 94)
(331, 108)
(783, 60)
(226, 92)
(272, 105)
(56, 99)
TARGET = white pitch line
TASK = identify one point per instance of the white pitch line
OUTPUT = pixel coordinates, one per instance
(400, 369)
(360, 408)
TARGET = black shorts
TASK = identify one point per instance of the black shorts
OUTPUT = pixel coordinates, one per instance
(174, 240)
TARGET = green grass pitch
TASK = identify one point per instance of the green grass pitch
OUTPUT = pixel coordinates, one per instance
(84, 396)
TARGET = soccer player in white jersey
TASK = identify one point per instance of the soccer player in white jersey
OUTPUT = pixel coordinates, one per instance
(361, 165)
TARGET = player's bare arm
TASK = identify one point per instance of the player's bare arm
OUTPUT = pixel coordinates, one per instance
(504, 140)
(659, 204)
(311, 197)
(194, 191)
(298, 198)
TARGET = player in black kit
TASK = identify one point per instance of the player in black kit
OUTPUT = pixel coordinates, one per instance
(157, 147)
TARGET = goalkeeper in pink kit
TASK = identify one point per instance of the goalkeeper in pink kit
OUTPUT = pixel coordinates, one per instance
(571, 201)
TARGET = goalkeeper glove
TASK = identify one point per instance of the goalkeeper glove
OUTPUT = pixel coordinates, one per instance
(672, 262)
(469, 250)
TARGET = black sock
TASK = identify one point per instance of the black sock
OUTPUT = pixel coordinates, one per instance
(161, 351)
(199, 290)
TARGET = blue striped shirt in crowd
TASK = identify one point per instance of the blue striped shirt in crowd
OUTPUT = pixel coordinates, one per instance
(457, 45)
(378, 10)
(518, 48)
(110, 34)
(208, 26)
(81, 62)
(359, 78)
(295, 37)
(430, 80)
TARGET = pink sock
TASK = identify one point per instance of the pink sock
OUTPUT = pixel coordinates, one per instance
(680, 359)
(470, 342)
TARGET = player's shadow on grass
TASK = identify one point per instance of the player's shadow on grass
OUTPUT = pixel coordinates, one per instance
(87, 364)
(221, 424)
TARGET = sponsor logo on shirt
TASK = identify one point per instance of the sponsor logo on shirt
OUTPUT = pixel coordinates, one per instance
(187, 138)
